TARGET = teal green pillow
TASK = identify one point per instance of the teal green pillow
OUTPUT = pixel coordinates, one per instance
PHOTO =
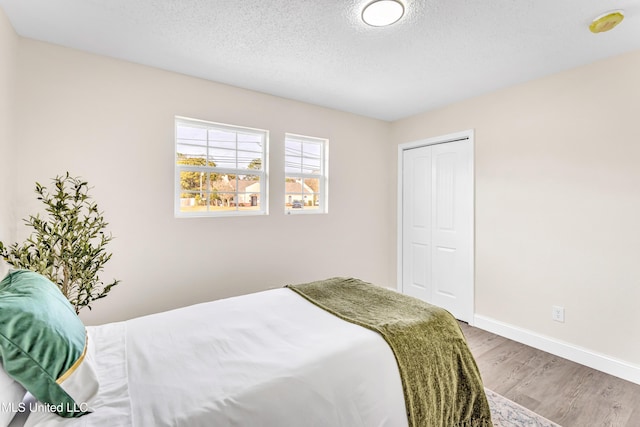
(43, 344)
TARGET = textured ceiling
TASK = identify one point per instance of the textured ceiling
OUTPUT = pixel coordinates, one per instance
(320, 52)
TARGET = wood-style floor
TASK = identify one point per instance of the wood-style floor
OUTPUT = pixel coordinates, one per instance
(565, 392)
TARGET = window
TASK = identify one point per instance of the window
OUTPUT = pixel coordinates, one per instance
(220, 169)
(305, 174)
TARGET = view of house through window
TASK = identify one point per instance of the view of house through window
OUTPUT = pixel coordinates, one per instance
(220, 169)
(305, 174)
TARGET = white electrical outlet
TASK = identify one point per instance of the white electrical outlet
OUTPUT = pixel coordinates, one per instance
(557, 313)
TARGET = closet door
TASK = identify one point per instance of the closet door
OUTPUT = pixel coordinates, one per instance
(416, 220)
(437, 225)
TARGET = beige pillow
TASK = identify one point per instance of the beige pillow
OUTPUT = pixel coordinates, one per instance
(11, 394)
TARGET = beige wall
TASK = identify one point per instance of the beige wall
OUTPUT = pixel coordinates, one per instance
(112, 123)
(557, 179)
(557, 164)
(8, 58)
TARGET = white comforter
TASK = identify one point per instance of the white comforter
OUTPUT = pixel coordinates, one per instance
(265, 359)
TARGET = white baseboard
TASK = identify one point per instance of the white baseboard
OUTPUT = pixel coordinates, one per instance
(619, 368)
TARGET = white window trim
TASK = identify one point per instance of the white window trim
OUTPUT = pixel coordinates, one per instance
(323, 195)
(264, 175)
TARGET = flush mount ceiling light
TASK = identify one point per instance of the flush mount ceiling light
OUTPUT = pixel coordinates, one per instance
(606, 22)
(381, 13)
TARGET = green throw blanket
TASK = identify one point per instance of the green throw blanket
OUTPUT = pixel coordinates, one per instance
(440, 378)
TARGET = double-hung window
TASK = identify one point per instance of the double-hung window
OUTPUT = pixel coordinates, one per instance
(220, 169)
(306, 177)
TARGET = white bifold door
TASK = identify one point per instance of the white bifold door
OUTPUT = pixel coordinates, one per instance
(437, 225)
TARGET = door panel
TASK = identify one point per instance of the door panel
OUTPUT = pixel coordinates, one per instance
(444, 265)
(420, 269)
(417, 217)
(437, 215)
(444, 190)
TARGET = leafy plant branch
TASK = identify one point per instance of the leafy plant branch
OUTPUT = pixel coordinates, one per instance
(68, 246)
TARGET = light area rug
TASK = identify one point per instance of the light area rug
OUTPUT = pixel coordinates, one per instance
(506, 413)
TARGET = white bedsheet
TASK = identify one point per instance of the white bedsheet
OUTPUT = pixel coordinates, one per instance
(265, 359)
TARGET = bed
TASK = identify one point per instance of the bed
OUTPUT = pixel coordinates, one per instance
(284, 357)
